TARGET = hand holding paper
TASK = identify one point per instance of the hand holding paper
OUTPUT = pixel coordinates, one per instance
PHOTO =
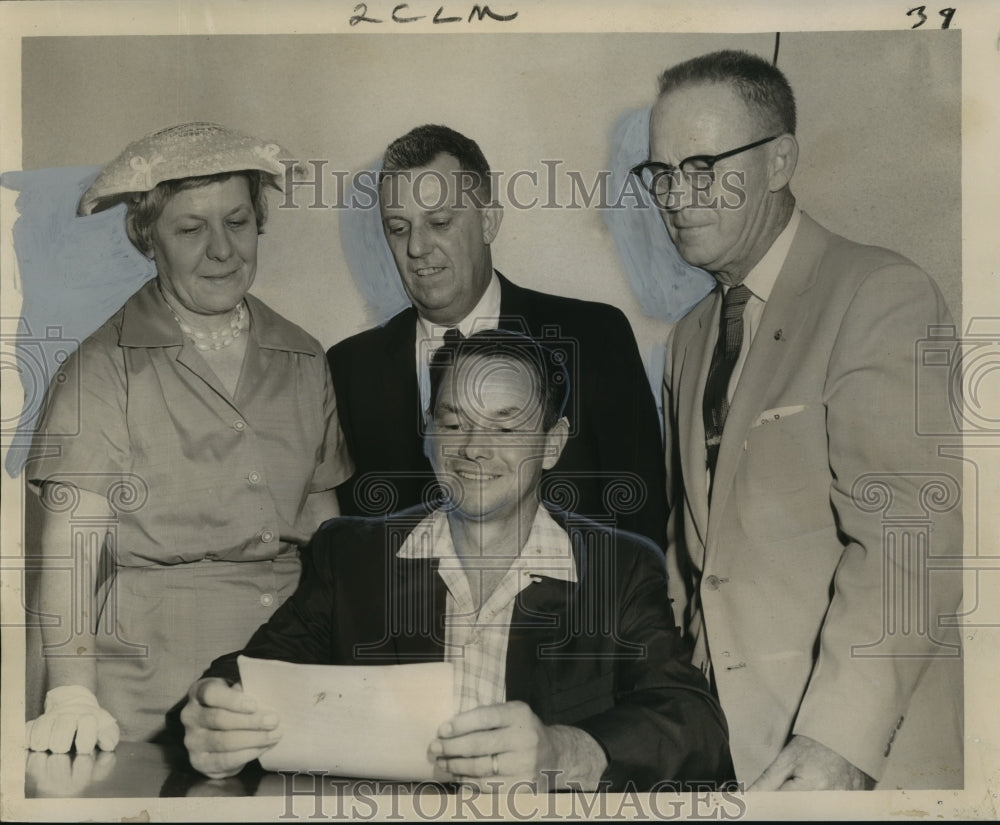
(224, 728)
(509, 744)
(505, 740)
(367, 721)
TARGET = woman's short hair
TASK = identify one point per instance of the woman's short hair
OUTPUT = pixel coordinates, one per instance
(145, 208)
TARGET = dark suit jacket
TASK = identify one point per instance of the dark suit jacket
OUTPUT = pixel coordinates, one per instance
(601, 654)
(612, 463)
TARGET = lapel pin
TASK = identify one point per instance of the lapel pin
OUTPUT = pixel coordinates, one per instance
(779, 335)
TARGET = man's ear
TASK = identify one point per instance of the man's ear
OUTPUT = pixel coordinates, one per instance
(783, 161)
(555, 440)
(492, 216)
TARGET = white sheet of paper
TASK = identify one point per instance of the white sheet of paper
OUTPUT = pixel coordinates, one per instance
(367, 721)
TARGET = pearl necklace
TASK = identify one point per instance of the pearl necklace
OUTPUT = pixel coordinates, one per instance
(217, 339)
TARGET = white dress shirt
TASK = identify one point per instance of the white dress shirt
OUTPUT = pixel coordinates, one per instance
(760, 281)
(430, 336)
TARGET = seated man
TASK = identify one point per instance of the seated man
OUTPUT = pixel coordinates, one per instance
(565, 650)
(440, 215)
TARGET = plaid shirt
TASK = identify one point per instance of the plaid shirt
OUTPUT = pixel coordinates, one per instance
(476, 642)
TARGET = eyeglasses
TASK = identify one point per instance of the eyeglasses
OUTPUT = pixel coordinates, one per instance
(658, 177)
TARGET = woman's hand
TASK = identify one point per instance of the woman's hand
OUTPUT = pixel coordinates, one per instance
(59, 774)
(72, 713)
(223, 728)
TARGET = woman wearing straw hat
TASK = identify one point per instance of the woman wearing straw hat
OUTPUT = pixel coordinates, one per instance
(202, 447)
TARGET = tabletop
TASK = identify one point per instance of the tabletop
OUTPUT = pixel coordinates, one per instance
(146, 770)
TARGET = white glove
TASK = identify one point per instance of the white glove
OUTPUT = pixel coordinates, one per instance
(71, 712)
(63, 774)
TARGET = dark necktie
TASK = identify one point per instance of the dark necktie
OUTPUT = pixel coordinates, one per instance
(451, 336)
(715, 407)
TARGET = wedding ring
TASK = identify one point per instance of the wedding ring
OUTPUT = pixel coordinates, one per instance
(495, 764)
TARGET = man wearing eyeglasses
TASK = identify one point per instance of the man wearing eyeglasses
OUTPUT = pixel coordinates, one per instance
(790, 394)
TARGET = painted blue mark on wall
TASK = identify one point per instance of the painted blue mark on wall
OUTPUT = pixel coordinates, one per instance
(665, 284)
(368, 256)
(75, 273)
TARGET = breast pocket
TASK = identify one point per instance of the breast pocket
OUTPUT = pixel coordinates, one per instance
(783, 482)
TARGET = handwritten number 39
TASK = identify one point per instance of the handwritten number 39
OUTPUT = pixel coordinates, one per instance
(947, 14)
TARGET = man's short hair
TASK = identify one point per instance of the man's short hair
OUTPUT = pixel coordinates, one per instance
(761, 85)
(547, 369)
(421, 145)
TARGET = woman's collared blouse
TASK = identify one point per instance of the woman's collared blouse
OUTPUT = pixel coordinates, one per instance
(136, 414)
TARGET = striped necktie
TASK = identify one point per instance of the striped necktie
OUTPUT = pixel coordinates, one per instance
(715, 406)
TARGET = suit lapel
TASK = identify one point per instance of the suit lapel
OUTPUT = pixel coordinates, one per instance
(771, 354)
(538, 635)
(691, 365)
(539, 645)
(400, 394)
(417, 624)
(515, 308)
(402, 366)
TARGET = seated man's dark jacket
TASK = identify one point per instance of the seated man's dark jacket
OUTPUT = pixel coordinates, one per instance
(601, 654)
(612, 463)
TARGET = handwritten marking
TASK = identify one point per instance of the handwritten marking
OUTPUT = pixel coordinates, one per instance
(398, 15)
(946, 14)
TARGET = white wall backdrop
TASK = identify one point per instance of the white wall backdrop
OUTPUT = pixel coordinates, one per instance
(879, 116)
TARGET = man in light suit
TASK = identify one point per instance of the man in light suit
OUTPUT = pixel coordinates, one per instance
(790, 394)
(440, 217)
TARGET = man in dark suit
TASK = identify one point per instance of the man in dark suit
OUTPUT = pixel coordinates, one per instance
(790, 394)
(440, 217)
(567, 664)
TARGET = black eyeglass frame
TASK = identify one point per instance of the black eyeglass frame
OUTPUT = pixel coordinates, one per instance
(658, 169)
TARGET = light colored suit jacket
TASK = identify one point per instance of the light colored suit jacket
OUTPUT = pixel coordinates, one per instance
(805, 583)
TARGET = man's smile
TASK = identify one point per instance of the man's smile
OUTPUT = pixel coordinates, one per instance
(476, 475)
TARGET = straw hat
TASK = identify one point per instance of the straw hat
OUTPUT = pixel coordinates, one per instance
(183, 151)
